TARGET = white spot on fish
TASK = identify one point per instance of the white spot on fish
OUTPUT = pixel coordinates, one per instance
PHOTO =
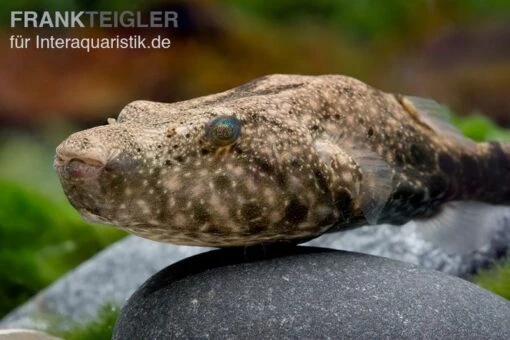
(173, 184)
(180, 220)
(182, 130)
(347, 176)
(143, 206)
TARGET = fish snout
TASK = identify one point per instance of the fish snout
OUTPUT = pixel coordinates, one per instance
(76, 164)
(76, 168)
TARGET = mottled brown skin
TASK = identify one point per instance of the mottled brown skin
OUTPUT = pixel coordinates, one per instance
(290, 175)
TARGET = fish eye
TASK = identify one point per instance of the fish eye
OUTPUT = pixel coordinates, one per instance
(223, 130)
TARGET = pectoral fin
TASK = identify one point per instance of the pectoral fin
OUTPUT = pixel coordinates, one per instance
(377, 182)
(376, 185)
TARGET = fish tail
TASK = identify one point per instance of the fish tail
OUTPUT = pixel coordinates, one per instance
(479, 215)
(492, 182)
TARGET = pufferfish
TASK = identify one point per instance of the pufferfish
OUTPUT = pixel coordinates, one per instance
(283, 158)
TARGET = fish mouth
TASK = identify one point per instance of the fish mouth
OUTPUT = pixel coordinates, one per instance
(77, 168)
(74, 165)
(80, 179)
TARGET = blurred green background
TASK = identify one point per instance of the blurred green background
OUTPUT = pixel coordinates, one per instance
(456, 51)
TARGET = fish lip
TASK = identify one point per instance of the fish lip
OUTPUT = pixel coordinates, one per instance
(93, 157)
(74, 166)
(67, 165)
(60, 162)
(88, 161)
(97, 158)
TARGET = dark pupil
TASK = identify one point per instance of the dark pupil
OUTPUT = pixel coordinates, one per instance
(223, 131)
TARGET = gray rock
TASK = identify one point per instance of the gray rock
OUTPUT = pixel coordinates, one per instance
(114, 274)
(404, 243)
(308, 293)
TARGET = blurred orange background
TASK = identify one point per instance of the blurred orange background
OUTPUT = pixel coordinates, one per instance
(454, 51)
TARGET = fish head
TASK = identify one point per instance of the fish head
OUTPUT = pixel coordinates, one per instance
(217, 176)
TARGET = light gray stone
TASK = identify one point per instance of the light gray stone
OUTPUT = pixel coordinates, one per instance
(404, 243)
(24, 334)
(109, 277)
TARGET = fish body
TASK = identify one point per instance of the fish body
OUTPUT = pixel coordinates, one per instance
(283, 158)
